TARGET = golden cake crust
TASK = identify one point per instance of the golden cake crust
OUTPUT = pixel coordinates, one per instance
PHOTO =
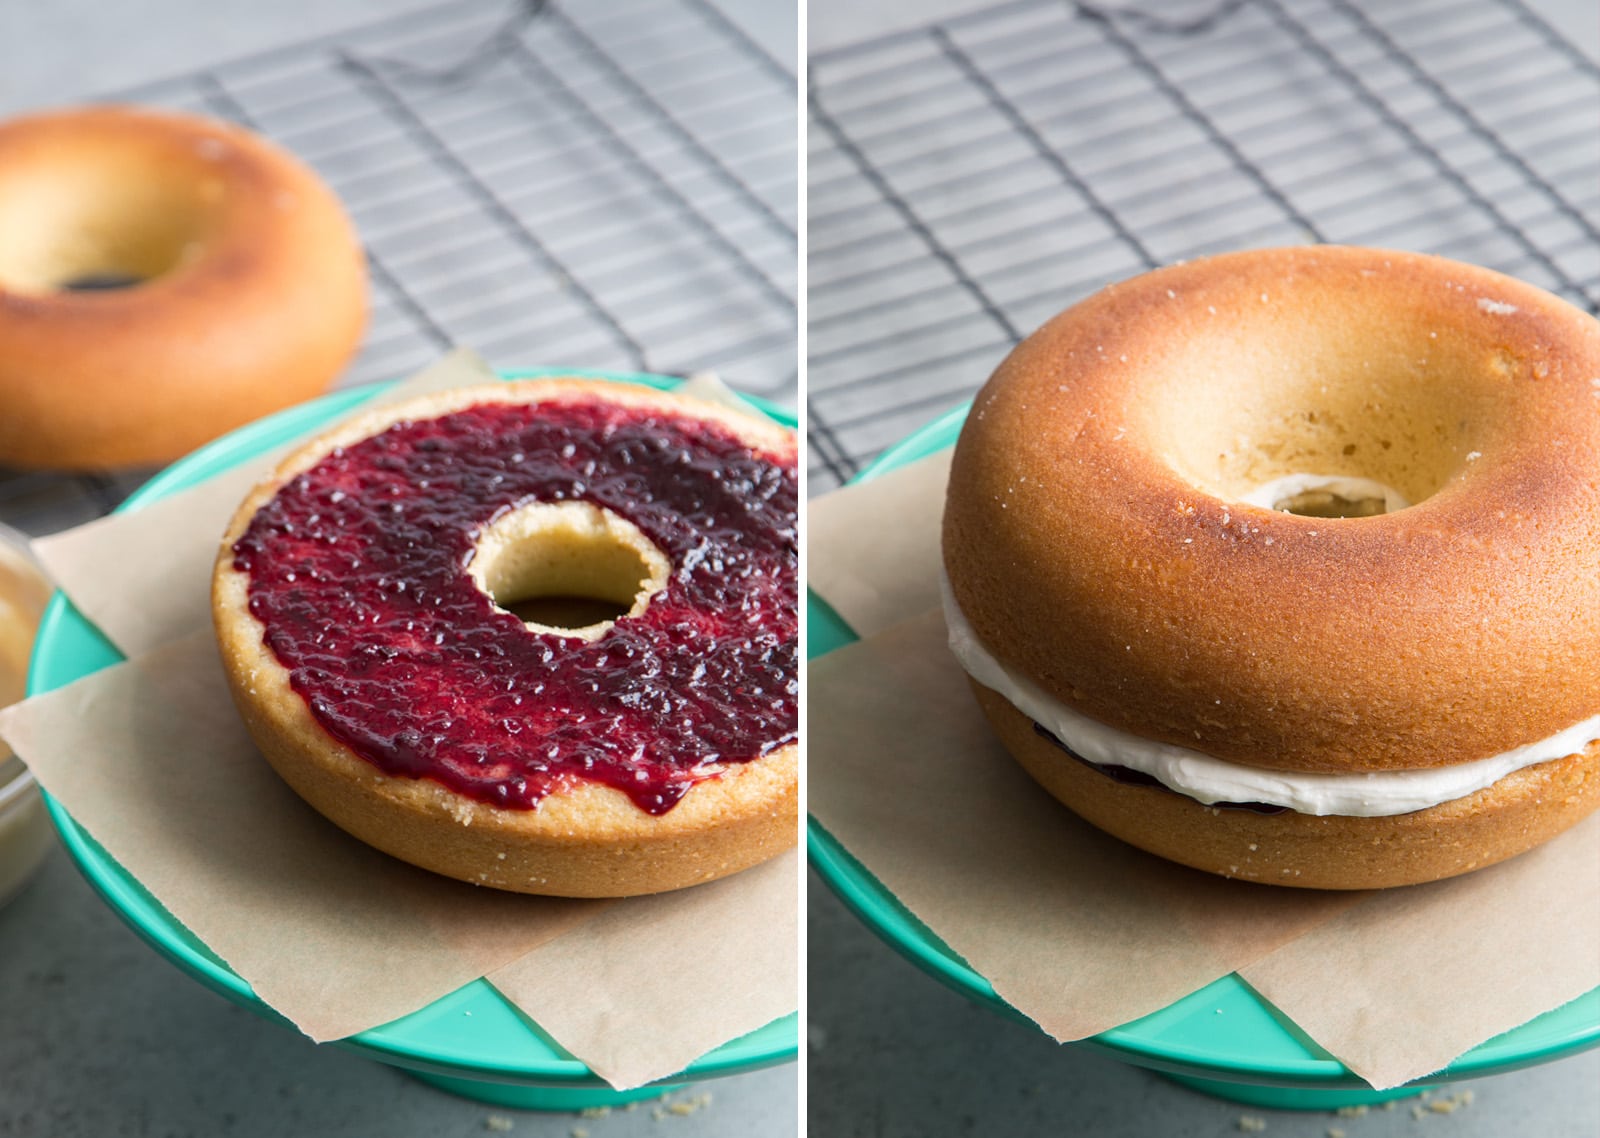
(1515, 814)
(587, 840)
(254, 292)
(1094, 537)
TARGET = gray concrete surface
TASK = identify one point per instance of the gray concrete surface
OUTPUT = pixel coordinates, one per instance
(99, 1036)
(66, 50)
(62, 52)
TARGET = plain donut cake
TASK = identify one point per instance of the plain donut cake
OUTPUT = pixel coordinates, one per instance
(1285, 564)
(164, 278)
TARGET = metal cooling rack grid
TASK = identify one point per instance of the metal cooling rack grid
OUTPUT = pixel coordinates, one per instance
(606, 186)
(971, 178)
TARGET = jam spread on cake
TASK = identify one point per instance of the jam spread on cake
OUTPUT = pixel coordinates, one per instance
(358, 573)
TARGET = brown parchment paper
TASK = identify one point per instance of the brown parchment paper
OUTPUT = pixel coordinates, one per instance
(662, 1017)
(1073, 928)
(1082, 933)
(150, 757)
(875, 578)
(164, 552)
(1424, 974)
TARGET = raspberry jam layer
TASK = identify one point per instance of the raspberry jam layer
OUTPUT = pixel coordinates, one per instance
(358, 574)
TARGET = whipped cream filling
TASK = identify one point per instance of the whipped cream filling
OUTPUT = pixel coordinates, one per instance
(1211, 780)
(1348, 487)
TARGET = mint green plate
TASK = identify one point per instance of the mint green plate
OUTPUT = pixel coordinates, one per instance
(1223, 1039)
(471, 1042)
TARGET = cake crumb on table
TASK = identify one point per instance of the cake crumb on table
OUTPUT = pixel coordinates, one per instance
(1355, 1111)
(1335, 1132)
(682, 1107)
(692, 1105)
(1451, 1104)
(1252, 1123)
(594, 1112)
(499, 1123)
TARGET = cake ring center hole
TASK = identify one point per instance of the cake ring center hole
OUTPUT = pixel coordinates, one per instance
(568, 568)
(101, 282)
(1327, 504)
(1327, 496)
(1369, 391)
(98, 225)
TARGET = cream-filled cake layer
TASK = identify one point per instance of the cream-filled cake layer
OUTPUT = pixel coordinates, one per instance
(1211, 780)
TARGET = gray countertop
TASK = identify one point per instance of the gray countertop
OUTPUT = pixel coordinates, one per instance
(100, 1036)
(69, 50)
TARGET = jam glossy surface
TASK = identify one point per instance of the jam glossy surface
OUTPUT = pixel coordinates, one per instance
(358, 574)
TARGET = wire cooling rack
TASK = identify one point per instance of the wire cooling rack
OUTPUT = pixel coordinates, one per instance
(604, 186)
(971, 178)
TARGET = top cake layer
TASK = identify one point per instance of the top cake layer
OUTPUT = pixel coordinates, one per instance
(358, 572)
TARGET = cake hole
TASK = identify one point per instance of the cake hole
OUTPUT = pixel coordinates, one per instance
(1326, 504)
(99, 227)
(1327, 496)
(566, 611)
(568, 568)
(1359, 395)
(101, 282)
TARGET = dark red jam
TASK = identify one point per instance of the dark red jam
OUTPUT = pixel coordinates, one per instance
(1130, 777)
(358, 574)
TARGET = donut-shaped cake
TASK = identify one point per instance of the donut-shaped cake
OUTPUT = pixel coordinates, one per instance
(363, 601)
(163, 278)
(1177, 618)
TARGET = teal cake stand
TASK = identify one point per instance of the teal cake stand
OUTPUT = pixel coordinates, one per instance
(471, 1042)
